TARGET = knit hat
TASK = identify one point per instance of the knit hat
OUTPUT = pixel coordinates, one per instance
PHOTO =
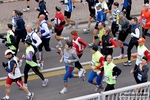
(141, 40)
(94, 47)
(28, 41)
(58, 8)
(121, 13)
(99, 5)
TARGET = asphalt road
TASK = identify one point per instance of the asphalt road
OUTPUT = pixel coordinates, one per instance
(76, 87)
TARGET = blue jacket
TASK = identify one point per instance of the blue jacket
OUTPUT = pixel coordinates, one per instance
(127, 4)
(100, 16)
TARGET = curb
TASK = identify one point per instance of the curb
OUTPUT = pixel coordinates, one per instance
(81, 22)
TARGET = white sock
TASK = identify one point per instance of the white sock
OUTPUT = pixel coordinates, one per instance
(7, 97)
(29, 94)
(59, 42)
(40, 55)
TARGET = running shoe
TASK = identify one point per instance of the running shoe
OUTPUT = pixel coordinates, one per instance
(90, 44)
(97, 88)
(63, 91)
(26, 9)
(86, 30)
(128, 63)
(121, 56)
(31, 96)
(69, 26)
(45, 82)
(83, 2)
(66, 38)
(76, 24)
(59, 46)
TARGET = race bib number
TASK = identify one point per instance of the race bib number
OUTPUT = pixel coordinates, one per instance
(144, 21)
(65, 59)
(106, 78)
(120, 27)
(139, 76)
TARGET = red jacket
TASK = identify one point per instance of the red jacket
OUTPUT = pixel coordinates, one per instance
(59, 18)
(145, 18)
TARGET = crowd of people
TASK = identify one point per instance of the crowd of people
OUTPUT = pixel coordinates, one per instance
(102, 66)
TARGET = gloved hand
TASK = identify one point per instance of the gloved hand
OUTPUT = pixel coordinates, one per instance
(52, 19)
(96, 37)
(7, 44)
(98, 72)
(3, 41)
(114, 77)
(4, 65)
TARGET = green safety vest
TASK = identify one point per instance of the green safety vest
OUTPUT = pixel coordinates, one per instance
(108, 70)
(9, 41)
(95, 59)
(31, 63)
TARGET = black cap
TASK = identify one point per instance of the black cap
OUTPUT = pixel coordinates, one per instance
(28, 41)
(94, 47)
(145, 58)
(58, 8)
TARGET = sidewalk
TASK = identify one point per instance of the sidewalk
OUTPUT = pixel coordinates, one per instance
(81, 13)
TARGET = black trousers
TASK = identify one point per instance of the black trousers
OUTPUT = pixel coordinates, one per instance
(131, 44)
(114, 28)
(144, 32)
(35, 70)
(78, 64)
(45, 43)
(109, 87)
(127, 13)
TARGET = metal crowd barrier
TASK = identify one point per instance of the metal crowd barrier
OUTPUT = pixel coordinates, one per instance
(133, 92)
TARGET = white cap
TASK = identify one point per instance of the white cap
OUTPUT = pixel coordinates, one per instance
(9, 51)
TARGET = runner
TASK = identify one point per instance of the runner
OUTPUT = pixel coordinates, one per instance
(135, 35)
(67, 13)
(14, 75)
(126, 8)
(100, 17)
(115, 23)
(20, 31)
(79, 45)
(111, 72)
(141, 72)
(9, 39)
(42, 10)
(101, 27)
(59, 21)
(69, 57)
(124, 27)
(96, 66)
(31, 63)
(91, 5)
(145, 20)
(109, 4)
(44, 34)
(108, 43)
(141, 52)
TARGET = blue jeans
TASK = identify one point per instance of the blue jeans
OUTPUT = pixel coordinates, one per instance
(68, 74)
(92, 75)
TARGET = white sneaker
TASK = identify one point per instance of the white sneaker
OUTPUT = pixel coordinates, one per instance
(67, 38)
(115, 38)
(121, 56)
(97, 88)
(76, 24)
(90, 44)
(26, 9)
(86, 30)
(31, 96)
(18, 50)
(63, 91)
(45, 82)
(59, 46)
(40, 65)
(20, 62)
(69, 26)
(83, 2)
